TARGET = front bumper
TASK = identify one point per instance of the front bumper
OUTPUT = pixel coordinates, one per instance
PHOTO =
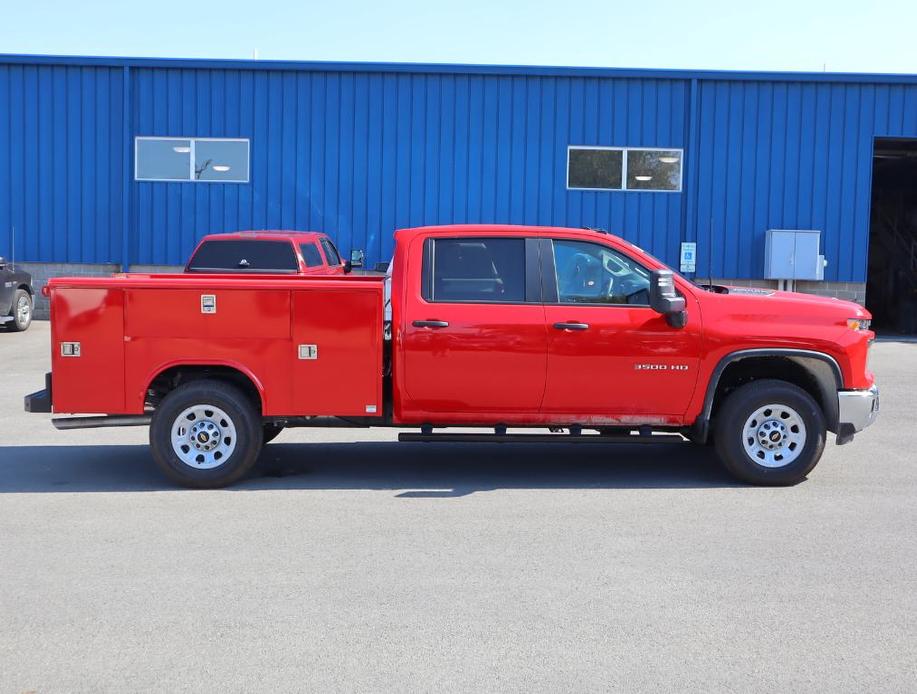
(856, 409)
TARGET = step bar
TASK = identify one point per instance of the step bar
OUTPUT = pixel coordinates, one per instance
(454, 437)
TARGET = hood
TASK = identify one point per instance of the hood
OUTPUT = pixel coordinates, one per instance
(775, 300)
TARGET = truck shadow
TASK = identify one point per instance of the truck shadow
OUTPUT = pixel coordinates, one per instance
(412, 470)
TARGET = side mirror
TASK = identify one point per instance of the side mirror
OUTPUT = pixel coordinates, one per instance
(357, 257)
(2, 262)
(665, 300)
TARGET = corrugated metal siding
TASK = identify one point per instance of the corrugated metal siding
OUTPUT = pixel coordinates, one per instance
(790, 155)
(360, 153)
(61, 162)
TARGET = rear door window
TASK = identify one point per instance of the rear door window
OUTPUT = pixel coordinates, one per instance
(243, 255)
(311, 255)
(476, 270)
(331, 253)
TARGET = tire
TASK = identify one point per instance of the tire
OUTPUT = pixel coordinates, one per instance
(271, 431)
(21, 311)
(226, 429)
(756, 429)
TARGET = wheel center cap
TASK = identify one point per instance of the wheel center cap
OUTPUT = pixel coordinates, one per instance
(205, 435)
(772, 434)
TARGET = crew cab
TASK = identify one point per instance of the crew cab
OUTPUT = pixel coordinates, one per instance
(260, 252)
(502, 327)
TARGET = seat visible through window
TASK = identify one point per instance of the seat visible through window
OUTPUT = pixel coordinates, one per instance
(476, 269)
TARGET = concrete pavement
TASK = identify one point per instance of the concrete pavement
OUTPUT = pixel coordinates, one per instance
(353, 563)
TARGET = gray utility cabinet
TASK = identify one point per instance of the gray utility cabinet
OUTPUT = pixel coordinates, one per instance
(793, 254)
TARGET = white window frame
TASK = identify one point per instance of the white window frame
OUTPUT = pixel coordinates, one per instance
(193, 155)
(624, 151)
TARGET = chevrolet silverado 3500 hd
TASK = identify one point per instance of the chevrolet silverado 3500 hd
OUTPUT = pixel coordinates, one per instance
(489, 326)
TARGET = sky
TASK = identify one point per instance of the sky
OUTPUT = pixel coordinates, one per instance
(837, 36)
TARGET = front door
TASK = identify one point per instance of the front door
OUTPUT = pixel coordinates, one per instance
(473, 333)
(611, 358)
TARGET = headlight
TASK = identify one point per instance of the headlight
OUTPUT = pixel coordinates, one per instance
(858, 323)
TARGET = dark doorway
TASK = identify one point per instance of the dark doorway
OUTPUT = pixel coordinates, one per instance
(891, 283)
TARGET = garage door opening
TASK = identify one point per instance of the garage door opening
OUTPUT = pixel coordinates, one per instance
(891, 283)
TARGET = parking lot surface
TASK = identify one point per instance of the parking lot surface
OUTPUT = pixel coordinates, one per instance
(354, 563)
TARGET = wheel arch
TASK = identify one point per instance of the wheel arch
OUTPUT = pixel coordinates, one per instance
(170, 376)
(815, 372)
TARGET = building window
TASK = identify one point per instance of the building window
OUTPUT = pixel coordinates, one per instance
(201, 159)
(595, 168)
(624, 168)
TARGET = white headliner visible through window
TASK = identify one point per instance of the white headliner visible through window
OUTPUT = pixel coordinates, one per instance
(624, 168)
(200, 160)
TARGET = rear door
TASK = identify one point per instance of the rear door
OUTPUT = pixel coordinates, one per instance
(473, 336)
(610, 356)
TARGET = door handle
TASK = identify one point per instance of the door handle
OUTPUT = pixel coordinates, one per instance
(571, 326)
(430, 324)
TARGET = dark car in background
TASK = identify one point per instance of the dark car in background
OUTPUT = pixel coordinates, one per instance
(16, 297)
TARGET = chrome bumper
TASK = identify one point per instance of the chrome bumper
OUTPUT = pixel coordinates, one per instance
(857, 409)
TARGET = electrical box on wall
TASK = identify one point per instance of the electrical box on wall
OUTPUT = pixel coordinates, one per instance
(793, 254)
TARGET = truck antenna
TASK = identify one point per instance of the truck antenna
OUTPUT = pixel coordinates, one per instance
(710, 255)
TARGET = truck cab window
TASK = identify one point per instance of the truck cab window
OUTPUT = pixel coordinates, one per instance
(244, 256)
(310, 255)
(590, 273)
(478, 270)
(331, 253)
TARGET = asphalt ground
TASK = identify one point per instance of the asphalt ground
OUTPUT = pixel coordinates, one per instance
(353, 563)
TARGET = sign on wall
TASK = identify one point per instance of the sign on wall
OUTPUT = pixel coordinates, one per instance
(688, 260)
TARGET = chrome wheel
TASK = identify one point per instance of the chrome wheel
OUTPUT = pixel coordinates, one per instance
(203, 437)
(774, 435)
(23, 310)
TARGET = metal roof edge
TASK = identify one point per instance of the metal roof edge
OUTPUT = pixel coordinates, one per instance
(456, 69)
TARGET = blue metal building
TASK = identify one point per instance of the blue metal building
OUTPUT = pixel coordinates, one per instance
(358, 150)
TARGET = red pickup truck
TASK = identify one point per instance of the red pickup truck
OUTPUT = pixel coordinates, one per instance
(496, 327)
(267, 252)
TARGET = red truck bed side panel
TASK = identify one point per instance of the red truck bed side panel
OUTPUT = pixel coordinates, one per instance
(344, 375)
(93, 381)
(132, 328)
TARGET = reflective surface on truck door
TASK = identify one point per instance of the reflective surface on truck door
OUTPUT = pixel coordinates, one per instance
(609, 353)
(472, 340)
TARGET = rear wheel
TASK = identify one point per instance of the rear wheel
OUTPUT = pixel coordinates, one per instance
(770, 432)
(21, 311)
(205, 434)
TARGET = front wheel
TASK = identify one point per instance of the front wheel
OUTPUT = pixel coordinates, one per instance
(770, 433)
(205, 434)
(21, 311)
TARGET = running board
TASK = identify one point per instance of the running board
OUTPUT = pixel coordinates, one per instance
(538, 438)
(99, 422)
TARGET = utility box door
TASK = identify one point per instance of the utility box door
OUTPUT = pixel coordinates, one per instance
(807, 257)
(792, 254)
